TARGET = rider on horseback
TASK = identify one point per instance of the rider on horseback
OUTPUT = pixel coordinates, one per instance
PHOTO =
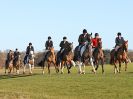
(28, 50)
(49, 43)
(119, 42)
(64, 44)
(16, 53)
(95, 42)
(83, 38)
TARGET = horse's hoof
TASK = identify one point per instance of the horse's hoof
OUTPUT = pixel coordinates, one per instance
(69, 72)
(79, 72)
(62, 73)
(83, 72)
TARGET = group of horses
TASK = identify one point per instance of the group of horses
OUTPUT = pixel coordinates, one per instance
(14, 63)
(87, 56)
(68, 58)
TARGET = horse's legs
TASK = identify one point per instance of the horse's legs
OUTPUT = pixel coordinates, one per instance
(83, 69)
(79, 67)
(119, 66)
(17, 69)
(125, 65)
(62, 67)
(97, 65)
(68, 68)
(43, 68)
(102, 63)
(33, 64)
(30, 69)
(24, 68)
(115, 69)
(49, 67)
(91, 61)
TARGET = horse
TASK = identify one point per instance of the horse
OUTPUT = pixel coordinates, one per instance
(9, 62)
(29, 60)
(98, 56)
(65, 58)
(120, 57)
(84, 57)
(50, 58)
(17, 63)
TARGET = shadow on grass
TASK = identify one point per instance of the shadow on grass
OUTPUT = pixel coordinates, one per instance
(9, 76)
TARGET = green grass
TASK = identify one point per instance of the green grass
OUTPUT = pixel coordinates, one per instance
(69, 86)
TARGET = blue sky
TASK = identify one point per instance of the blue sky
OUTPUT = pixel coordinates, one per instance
(24, 21)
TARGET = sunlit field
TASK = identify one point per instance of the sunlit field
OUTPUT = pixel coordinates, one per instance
(68, 86)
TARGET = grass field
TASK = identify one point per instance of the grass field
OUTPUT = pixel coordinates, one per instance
(69, 86)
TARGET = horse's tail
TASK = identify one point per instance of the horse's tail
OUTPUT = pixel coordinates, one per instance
(112, 57)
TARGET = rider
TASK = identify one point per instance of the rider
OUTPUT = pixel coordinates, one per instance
(8, 55)
(83, 38)
(49, 43)
(63, 44)
(95, 41)
(119, 41)
(29, 48)
(16, 53)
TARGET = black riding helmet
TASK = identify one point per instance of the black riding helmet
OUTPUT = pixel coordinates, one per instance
(96, 34)
(64, 38)
(119, 34)
(84, 31)
(49, 37)
(30, 43)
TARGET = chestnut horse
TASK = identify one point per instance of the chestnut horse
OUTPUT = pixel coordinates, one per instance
(9, 62)
(98, 56)
(17, 63)
(65, 58)
(121, 57)
(50, 58)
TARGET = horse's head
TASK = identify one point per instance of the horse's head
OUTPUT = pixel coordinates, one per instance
(11, 56)
(31, 52)
(125, 45)
(69, 46)
(51, 49)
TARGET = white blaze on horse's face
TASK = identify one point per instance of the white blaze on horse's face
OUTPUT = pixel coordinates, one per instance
(31, 52)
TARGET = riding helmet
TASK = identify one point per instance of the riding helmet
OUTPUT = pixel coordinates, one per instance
(96, 34)
(49, 37)
(30, 43)
(84, 31)
(64, 37)
(119, 34)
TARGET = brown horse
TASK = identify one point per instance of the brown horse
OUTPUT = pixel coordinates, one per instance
(121, 57)
(9, 62)
(65, 58)
(17, 63)
(50, 58)
(98, 56)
